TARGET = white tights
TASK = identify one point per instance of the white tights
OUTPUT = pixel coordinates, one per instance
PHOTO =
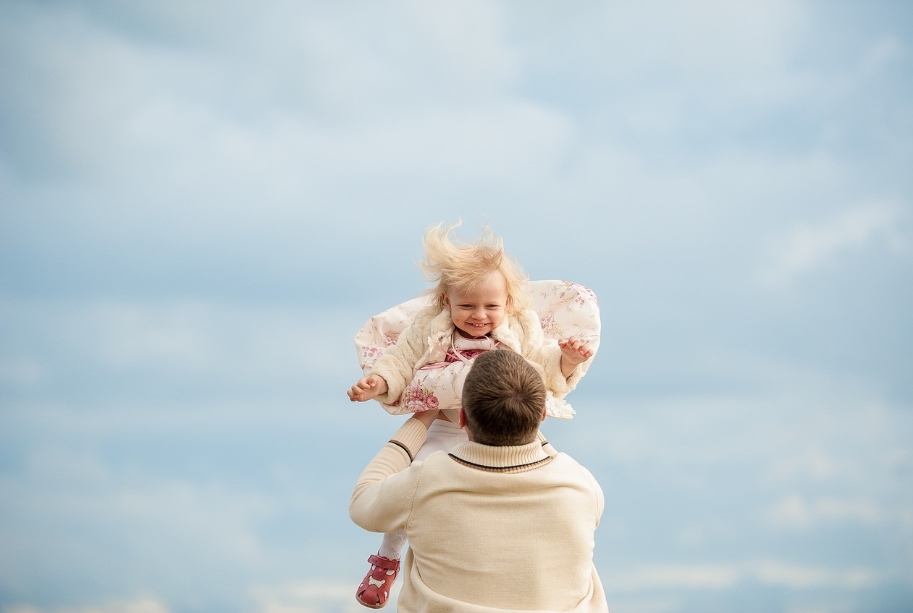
(442, 436)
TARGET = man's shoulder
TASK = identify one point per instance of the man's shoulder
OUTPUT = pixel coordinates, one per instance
(564, 462)
(433, 462)
(566, 458)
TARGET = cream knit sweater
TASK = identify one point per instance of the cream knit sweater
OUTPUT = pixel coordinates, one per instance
(490, 528)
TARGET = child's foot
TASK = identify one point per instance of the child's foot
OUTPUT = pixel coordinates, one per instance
(375, 588)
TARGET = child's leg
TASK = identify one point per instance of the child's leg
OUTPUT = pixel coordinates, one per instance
(442, 436)
(375, 588)
(392, 545)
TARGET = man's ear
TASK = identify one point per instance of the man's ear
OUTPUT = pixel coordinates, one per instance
(462, 423)
(544, 413)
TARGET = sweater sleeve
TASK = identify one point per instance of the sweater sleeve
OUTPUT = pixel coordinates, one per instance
(382, 498)
(547, 354)
(397, 364)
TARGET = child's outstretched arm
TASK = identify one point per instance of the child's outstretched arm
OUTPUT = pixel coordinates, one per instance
(574, 351)
(367, 388)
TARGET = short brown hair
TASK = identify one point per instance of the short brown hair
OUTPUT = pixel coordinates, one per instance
(503, 399)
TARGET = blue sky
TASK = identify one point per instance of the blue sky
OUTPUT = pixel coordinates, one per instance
(200, 204)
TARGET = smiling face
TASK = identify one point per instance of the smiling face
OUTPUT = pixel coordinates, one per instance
(477, 312)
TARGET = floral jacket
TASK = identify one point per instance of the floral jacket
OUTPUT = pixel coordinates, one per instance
(428, 338)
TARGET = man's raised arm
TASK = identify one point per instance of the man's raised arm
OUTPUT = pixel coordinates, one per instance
(382, 499)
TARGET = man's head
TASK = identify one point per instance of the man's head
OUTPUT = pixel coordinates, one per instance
(503, 399)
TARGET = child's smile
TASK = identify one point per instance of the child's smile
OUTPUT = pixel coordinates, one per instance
(479, 311)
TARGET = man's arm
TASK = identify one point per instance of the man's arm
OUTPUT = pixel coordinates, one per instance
(382, 499)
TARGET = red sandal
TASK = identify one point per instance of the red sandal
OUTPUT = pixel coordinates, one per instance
(375, 588)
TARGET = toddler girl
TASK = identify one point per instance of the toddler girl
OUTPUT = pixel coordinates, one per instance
(478, 305)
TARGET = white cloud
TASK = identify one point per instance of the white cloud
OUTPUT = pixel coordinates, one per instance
(689, 37)
(809, 248)
(487, 63)
(118, 100)
(812, 462)
(794, 511)
(59, 465)
(804, 577)
(311, 597)
(20, 371)
(155, 518)
(250, 344)
(673, 576)
(317, 111)
(811, 426)
(130, 528)
(143, 604)
(631, 603)
(724, 576)
(882, 53)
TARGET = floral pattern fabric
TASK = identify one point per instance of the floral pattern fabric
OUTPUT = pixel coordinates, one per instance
(440, 385)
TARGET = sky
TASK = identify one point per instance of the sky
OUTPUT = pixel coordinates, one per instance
(201, 203)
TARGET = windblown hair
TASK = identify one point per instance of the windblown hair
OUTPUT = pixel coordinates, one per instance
(503, 399)
(461, 267)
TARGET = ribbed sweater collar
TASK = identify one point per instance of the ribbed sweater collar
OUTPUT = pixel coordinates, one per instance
(500, 458)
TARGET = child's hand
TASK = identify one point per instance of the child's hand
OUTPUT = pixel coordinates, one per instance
(574, 351)
(367, 388)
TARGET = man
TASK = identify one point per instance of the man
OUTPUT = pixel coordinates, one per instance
(501, 523)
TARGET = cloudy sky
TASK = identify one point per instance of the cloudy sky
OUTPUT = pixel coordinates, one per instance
(201, 203)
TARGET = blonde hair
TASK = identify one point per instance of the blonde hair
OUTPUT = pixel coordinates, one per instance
(461, 267)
